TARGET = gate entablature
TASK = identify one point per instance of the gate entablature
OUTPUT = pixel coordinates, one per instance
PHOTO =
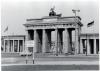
(54, 22)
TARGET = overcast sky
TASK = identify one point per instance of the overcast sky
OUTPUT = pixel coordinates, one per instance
(15, 12)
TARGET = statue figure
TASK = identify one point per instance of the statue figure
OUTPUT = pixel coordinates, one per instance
(53, 13)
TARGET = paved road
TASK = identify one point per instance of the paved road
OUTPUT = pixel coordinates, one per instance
(20, 59)
(49, 67)
(72, 63)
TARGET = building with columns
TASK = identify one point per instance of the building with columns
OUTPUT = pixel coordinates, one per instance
(40, 30)
(16, 44)
(12, 43)
(53, 34)
(89, 42)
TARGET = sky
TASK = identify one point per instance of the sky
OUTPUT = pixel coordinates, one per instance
(15, 12)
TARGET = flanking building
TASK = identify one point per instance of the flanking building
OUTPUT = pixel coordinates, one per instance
(13, 43)
(53, 34)
(89, 43)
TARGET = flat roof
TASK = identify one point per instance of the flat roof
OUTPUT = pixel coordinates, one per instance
(14, 36)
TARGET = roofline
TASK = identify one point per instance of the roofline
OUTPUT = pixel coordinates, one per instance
(14, 36)
(47, 17)
(84, 34)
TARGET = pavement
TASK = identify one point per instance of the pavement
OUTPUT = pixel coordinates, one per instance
(53, 63)
(54, 60)
(56, 63)
(49, 67)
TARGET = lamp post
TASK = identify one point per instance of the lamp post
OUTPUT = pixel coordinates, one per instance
(75, 11)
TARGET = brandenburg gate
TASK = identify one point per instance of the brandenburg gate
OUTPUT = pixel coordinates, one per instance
(40, 30)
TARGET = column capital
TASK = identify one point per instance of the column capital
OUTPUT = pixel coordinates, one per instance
(34, 29)
(65, 28)
(44, 29)
(26, 29)
(76, 28)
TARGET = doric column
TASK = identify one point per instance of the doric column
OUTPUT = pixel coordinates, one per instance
(59, 41)
(81, 46)
(88, 46)
(35, 41)
(23, 46)
(70, 41)
(79, 32)
(4, 47)
(76, 41)
(8, 46)
(26, 39)
(66, 41)
(48, 41)
(13, 45)
(95, 46)
(44, 40)
(18, 46)
(56, 40)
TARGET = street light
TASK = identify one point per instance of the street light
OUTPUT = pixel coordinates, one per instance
(74, 11)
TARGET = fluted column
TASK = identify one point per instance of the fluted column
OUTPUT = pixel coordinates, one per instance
(23, 46)
(81, 46)
(35, 41)
(10, 45)
(13, 46)
(79, 32)
(76, 41)
(27, 38)
(60, 46)
(18, 46)
(8, 48)
(56, 40)
(88, 46)
(95, 46)
(70, 41)
(48, 41)
(66, 41)
(4, 47)
(44, 37)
